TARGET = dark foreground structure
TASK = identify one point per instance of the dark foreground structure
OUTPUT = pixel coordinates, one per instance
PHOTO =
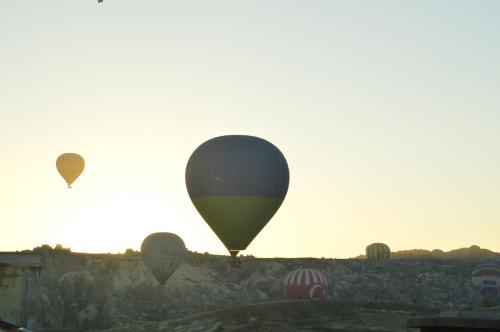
(458, 322)
(19, 280)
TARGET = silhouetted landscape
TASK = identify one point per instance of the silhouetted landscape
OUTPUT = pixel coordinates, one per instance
(473, 252)
(81, 291)
(231, 166)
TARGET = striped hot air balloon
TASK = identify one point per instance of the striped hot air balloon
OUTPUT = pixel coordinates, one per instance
(305, 284)
(487, 277)
(378, 253)
(486, 274)
(489, 296)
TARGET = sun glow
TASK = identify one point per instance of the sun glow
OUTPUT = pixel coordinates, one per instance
(113, 222)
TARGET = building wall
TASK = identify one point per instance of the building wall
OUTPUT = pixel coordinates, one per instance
(19, 280)
(12, 294)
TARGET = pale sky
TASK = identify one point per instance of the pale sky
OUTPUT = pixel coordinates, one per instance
(388, 113)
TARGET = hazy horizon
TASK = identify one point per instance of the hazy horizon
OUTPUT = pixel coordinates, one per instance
(387, 113)
(59, 246)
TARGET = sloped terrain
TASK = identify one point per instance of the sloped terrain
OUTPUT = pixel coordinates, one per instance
(292, 316)
(89, 291)
(472, 253)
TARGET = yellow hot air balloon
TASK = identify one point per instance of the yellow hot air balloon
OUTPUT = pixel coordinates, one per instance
(70, 166)
(378, 253)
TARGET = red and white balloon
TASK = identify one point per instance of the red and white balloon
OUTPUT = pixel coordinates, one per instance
(305, 284)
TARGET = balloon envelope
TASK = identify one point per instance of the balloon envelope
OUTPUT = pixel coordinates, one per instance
(237, 183)
(70, 166)
(162, 254)
(487, 274)
(305, 284)
(378, 253)
(489, 296)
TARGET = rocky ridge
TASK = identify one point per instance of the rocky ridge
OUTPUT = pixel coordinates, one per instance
(90, 291)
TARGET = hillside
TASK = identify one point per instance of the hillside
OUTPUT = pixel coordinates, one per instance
(89, 291)
(291, 317)
(472, 253)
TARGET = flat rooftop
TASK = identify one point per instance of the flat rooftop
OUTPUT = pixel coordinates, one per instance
(20, 259)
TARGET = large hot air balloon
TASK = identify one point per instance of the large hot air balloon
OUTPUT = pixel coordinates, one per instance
(237, 183)
(162, 254)
(305, 284)
(70, 166)
(487, 277)
(378, 253)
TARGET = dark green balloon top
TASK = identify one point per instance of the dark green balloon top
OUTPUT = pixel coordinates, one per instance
(237, 165)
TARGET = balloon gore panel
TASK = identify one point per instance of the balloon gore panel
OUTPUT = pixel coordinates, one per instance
(237, 219)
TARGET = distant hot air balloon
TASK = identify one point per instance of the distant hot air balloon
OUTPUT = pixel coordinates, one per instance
(162, 254)
(486, 276)
(237, 183)
(305, 284)
(489, 296)
(70, 166)
(378, 253)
